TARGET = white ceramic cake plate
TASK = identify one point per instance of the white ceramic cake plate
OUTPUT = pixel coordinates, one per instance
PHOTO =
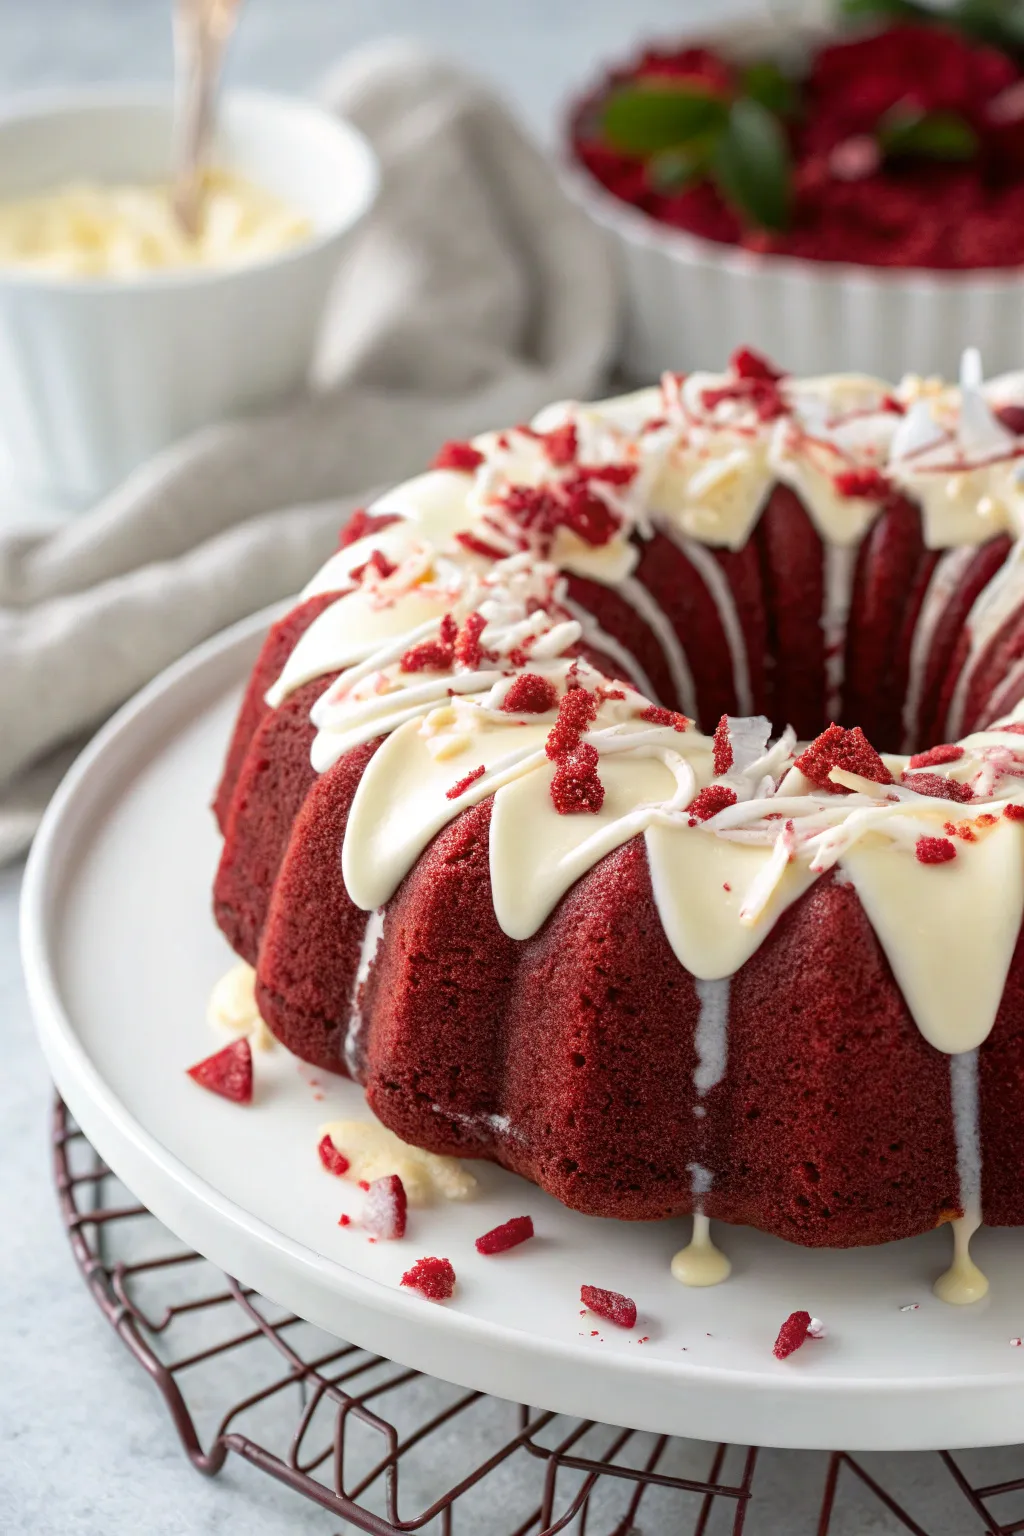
(121, 952)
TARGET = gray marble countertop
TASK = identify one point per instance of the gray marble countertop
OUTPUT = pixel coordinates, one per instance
(85, 1445)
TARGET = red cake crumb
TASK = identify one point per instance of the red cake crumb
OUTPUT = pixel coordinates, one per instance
(576, 710)
(723, 746)
(463, 784)
(227, 1072)
(433, 1278)
(868, 483)
(344, 1221)
(935, 784)
(762, 395)
(1013, 812)
(576, 785)
(655, 715)
(710, 801)
(385, 1209)
(561, 444)
(950, 753)
(509, 1235)
(530, 694)
(458, 455)
(378, 564)
(362, 523)
(748, 364)
(1014, 729)
(934, 850)
(433, 655)
(839, 748)
(334, 1161)
(609, 1304)
(468, 650)
(792, 1334)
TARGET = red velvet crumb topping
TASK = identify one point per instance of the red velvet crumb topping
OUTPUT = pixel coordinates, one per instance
(463, 784)
(710, 801)
(655, 715)
(1015, 728)
(723, 746)
(378, 564)
(477, 546)
(762, 395)
(433, 655)
(934, 850)
(530, 694)
(561, 444)
(227, 1072)
(458, 455)
(362, 523)
(433, 1278)
(950, 753)
(1013, 812)
(334, 1161)
(577, 710)
(748, 364)
(385, 1209)
(871, 484)
(609, 1304)
(344, 1221)
(509, 1235)
(576, 785)
(792, 1334)
(839, 748)
(467, 648)
(935, 784)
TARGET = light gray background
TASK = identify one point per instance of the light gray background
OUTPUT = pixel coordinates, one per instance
(85, 1446)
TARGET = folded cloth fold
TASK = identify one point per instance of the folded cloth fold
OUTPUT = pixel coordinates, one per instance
(474, 293)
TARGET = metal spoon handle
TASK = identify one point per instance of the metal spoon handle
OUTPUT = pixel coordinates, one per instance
(202, 30)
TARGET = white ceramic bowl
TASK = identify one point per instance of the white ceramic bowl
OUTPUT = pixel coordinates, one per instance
(97, 374)
(689, 302)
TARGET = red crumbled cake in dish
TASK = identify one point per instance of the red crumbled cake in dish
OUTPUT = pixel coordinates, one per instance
(657, 929)
(899, 148)
(433, 1278)
(509, 1235)
(227, 1073)
(609, 1304)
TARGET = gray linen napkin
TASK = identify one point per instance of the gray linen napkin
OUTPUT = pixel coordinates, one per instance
(473, 294)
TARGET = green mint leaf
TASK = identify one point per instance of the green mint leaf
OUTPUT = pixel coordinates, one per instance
(765, 83)
(885, 10)
(997, 22)
(645, 119)
(751, 165)
(933, 135)
(673, 169)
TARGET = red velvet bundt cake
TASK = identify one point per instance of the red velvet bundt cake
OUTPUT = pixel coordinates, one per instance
(484, 861)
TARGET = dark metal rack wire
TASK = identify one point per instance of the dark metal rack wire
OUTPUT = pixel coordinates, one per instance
(365, 1438)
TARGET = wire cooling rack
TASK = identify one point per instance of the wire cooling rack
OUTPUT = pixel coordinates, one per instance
(391, 1451)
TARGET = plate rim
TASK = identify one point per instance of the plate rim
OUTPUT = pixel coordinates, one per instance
(153, 1172)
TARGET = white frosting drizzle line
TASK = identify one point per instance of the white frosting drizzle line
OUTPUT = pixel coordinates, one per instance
(657, 620)
(700, 1263)
(963, 1282)
(372, 934)
(714, 579)
(594, 635)
(945, 579)
(840, 566)
(712, 1037)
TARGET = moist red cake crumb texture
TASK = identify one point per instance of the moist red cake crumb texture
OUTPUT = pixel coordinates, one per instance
(385, 1207)
(571, 1056)
(334, 1161)
(509, 1235)
(227, 1073)
(433, 1278)
(792, 1334)
(617, 1308)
